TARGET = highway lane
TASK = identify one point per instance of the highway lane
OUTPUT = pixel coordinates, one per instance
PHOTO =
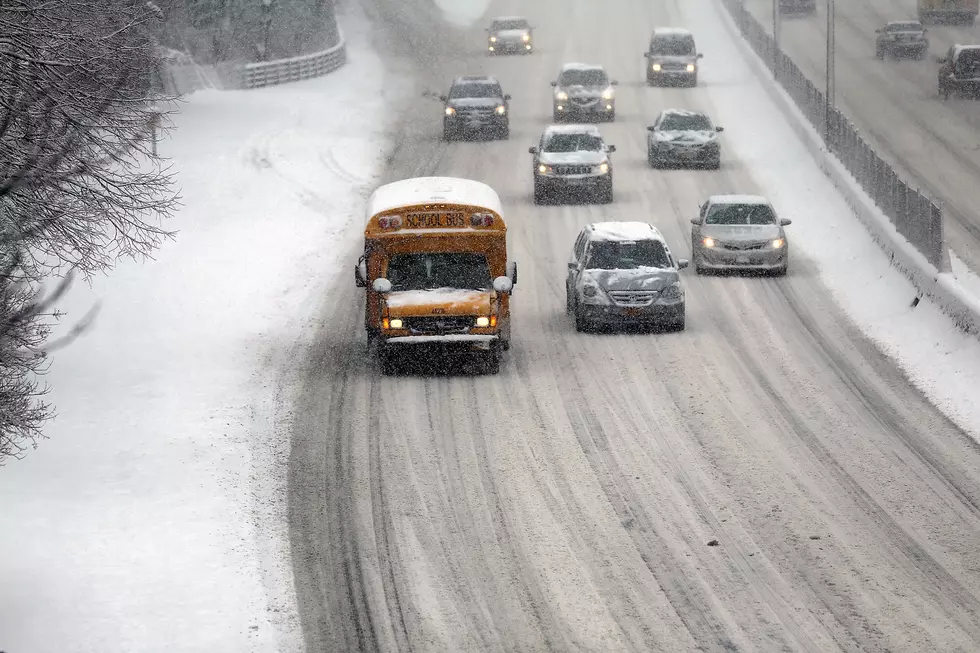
(566, 504)
(935, 144)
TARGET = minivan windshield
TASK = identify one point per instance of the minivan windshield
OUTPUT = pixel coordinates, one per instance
(740, 214)
(627, 255)
(435, 270)
(572, 143)
(587, 77)
(672, 47)
(475, 91)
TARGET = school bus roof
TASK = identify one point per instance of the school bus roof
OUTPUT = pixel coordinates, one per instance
(433, 190)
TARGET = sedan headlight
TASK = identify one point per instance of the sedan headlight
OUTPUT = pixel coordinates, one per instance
(690, 67)
(501, 110)
(657, 68)
(603, 168)
(607, 94)
(778, 243)
(673, 291)
(450, 111)
(562, 95)
(708, 242)
(493, 39)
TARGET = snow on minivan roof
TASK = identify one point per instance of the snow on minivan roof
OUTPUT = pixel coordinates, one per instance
(433, 190)
(625, 231)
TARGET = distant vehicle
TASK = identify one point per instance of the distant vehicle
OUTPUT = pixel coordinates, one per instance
(960, 71)
(683, 138)
(510, 34)
(797, 6)
(963, 12)
(572, 160)
(583, 91)
(672, 57)
(622, 273)
(475, 104)
(436, 271)
(739, 232)
(901, 38)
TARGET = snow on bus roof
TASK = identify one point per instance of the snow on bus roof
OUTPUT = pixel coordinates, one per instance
(625, 231)
(432, 190)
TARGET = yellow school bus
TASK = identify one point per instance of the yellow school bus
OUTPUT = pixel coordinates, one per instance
(948, 11)
(435, 270)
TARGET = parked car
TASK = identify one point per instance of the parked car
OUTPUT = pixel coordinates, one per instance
(475, 104)
(623, 273)
(584, 91)
(571, 160)
(680, 137)
(510, 34)
(672, 58)
(960, 71)
(902, 38)
(739, 232)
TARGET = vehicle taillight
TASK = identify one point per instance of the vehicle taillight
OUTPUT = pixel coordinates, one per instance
(481, 219)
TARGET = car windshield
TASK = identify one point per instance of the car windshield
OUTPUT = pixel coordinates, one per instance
(573, 143)
(672, 47)
(430, 271)
(501, 25)
(740, 214)
(904, 27)
(968, 60)
(685, 122)
(591, 77)
(475, 91)
(627, 255)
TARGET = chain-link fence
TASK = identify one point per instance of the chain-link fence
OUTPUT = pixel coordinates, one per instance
(915, 216)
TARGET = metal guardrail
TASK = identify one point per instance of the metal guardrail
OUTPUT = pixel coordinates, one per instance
(916, 217)
(281, 71)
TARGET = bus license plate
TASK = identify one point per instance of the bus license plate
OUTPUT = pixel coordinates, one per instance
(435, 221)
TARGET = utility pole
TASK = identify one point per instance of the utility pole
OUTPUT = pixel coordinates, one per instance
(775, 39)
(831, 70)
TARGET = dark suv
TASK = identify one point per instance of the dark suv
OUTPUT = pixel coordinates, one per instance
(960, 71)
(475, 105)
(572, 159)
(900, 38)
(672, 57)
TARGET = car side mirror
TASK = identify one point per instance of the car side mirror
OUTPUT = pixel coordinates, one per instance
(940, 59)
(878, 31)
(512, 272)
(682, 263)
(381, 285)
(651, 128)
(719, 129)
(785, 223)
(443, 98)
(611, 148)
(554, 83)
(614, 82)
(507, 97)
(647, 54)
(700, 56)
(360, 275)
(573, 265)
(503, 285)
(532, 150)
(696, 221)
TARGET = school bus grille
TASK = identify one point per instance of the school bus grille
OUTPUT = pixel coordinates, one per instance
(440, 325)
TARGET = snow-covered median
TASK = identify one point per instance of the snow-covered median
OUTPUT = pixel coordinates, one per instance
(940, 359)
(463, 13)
(152, 519)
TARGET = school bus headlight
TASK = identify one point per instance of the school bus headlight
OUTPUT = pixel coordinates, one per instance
(395, 323)
(483, 322)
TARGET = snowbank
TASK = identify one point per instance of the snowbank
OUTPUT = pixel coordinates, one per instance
(767, 137)
(153, 518)
(463, 13)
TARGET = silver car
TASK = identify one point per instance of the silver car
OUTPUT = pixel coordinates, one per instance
(687, 138)
(583, 91)
(739, 232)
(623, 273)
(510, 34)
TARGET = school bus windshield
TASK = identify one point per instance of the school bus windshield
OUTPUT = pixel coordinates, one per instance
(430, 271)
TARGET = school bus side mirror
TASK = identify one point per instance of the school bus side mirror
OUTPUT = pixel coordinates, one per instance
(382, 286)
(512, 272)
(360, 275)
(503, 285)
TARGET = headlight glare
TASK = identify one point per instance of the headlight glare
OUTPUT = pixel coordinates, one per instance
(501, 110)
(450, 111)
(526, 37)
(709, 242)
(607, 94)
(493, 39)
(562, 95)
(542, 169)
(690, 67)
(483, 322)
(396, 323)
(778, 243)
(657, 68)
(603, 168)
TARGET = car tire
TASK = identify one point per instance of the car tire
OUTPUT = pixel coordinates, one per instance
(569, 302)
(449, 135)
(679, 324)
(943, 92)
(540, 195)
(491, 362)
(556, 117)
(605, 194)
(879, 53)
(504, 133)
(387, 363)
(780, 272)
(693, 83)
(714, 165)
(581, 324)
(611, 116)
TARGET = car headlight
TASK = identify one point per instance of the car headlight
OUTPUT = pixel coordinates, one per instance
(657, 68)
(395, 323)
(690, 67)
(709, 242)
(590, 290)
(450, 111)
(603, 168)
(493, 39)
(778, 243)
(543, 169)
(483, 322)
(607, 94)
(526, 37)
(673, 291)
(501, 110)
(562, 95)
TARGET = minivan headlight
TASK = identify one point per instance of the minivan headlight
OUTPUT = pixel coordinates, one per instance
(673, 291)
(590, 291)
